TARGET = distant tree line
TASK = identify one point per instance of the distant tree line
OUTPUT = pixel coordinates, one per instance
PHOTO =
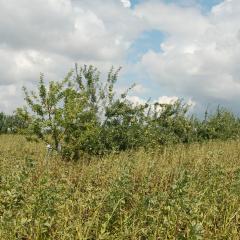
(10, 123)
(82, 114)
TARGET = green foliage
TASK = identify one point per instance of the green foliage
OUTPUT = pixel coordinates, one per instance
(169, 123)
(124, 126)
(222, 124)
(83, 114)
(58, 115)
(3, 123)
(177, 192)
(10, 123)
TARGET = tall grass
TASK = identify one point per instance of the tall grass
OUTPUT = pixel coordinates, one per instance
(179, 192)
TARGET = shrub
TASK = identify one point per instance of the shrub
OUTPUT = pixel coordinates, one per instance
(222, 124)
(84, 115)
(10, 123)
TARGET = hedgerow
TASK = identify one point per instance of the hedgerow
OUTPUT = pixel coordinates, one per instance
(83, 114)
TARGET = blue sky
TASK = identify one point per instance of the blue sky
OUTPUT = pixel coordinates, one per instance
(206, 4)
(151, 40)
(147, 41)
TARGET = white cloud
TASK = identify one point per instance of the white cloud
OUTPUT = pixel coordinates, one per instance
(78, 30)
(49, 36)
(199, 57)
(201, 53)
(126, 3)
(140, 89)
(167, 100)
(8, 93)
(136, 100)
(172, 19)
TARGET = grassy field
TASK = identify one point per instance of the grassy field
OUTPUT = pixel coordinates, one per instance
(178, 192)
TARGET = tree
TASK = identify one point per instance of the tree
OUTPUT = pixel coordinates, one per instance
(67, 114)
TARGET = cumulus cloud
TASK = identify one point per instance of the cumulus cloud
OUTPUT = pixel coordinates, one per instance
(9, 97)
(173, 99)
(70, 28)
(167, 99)
(200, 55)
(136, 100)
(49, 36)
(198, 59)
(140, 89)
(126, 3)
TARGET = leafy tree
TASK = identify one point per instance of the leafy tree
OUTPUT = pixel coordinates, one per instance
(10, 123)
(83, 114)
(67, 114)
(124, 125)
(3, 123)
(169, 123)
(222, 124)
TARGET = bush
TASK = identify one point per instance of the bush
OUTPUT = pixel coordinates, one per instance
(84, 115)
(222, 124)
(10, 123)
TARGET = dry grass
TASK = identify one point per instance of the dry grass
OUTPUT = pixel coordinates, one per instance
(179, 192)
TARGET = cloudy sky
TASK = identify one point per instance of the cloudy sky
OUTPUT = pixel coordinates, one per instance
(170, 48)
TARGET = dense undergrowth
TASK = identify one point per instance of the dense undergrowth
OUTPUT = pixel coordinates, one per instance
(175, 192)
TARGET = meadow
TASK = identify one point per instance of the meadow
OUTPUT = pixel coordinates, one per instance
(174, 192)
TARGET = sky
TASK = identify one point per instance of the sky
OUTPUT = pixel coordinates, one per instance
(171, 49)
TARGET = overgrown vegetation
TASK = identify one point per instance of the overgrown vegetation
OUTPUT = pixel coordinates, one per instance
(83, 114)
(147, 171)
(177, 192)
